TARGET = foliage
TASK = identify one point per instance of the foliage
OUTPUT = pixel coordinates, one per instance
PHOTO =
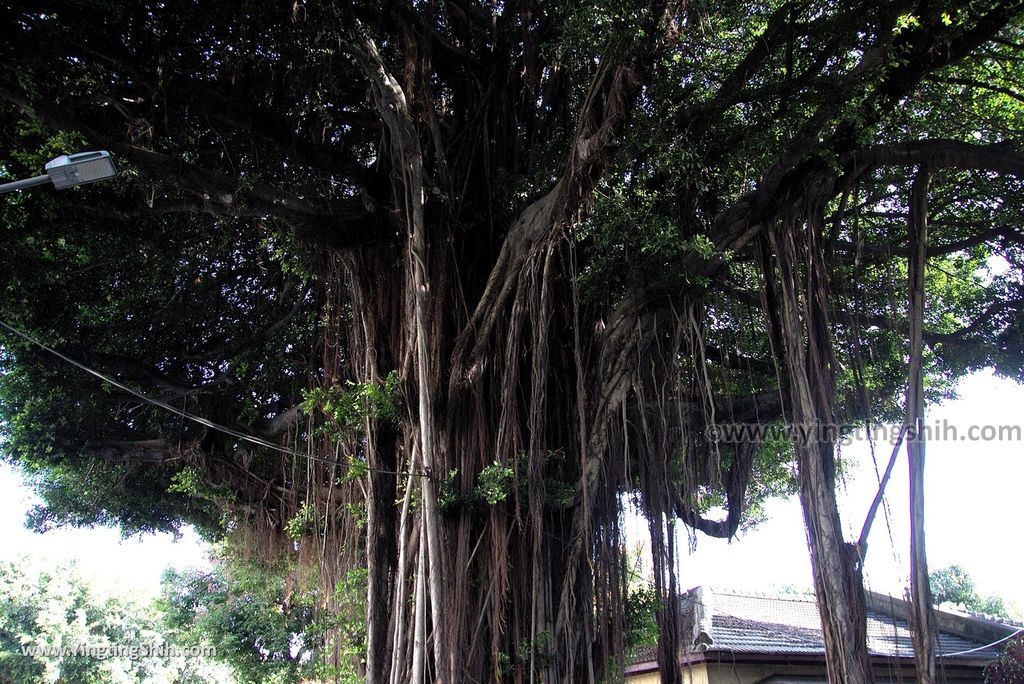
(349, 619)
(347, 407)
(124, 293)
(259, 617)
(496, 482)
(641, 624)
(1009, 669)
(54, 612)
(953, 584)
(190, 482)
(493, 483)
(302, 523)
(642, 604)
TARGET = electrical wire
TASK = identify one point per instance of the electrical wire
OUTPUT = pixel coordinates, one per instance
(185, 414)
(981, 648)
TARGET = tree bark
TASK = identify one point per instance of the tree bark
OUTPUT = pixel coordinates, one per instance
(807, 352)
(922, 620)
(393, 107)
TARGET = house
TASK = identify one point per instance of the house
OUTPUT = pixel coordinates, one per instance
(742, 637)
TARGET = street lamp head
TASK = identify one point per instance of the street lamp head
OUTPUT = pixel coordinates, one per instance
(69, 170)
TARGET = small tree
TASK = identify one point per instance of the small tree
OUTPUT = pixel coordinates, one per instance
(1010, 668)
(952, 584)
(261, 617)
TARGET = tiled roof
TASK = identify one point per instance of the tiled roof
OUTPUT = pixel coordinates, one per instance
(789, 624)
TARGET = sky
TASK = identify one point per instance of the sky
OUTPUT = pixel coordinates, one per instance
(974, 498)
(100, 554)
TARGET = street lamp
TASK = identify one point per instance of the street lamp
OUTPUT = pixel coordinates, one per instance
(69, 170)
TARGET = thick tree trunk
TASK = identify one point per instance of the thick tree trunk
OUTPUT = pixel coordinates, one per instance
(380, 526)
(807, 350)
(922, 619)
(371, 284)
(835, 564)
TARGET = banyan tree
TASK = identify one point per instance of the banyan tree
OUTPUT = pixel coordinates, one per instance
(434, 288)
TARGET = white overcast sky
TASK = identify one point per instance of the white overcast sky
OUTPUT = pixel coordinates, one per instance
(975, 495)
(974, 510)
(100, 554)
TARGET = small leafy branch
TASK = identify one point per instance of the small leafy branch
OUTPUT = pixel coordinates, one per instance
(493, 483)
(304, 522)
(190, 482)
(347, 407)
(497, 480)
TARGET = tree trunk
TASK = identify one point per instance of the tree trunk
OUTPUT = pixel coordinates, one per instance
(835, 564)
(807, 351)
(922, 619)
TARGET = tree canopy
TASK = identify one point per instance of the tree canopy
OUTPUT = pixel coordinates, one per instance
(953, 584)
(56, 627)
(264, 624)
(477, 271)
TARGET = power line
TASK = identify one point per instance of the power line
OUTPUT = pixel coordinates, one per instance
(185, 414)
(981, 648)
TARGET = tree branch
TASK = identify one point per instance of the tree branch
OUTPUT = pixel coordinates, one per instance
(603, 116)
(971, 83)
(340, 224)
(941, 153)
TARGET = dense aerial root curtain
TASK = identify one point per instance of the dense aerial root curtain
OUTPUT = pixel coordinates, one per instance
(408, 176)
(922, 618)
(372, 284)
(804, 332)
(489, 425)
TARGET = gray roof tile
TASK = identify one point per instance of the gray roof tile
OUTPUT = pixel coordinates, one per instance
(789, 624)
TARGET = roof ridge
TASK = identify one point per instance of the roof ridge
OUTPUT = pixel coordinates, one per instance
(958, 610)
(779, 595)
(952, 608)
(759, 621)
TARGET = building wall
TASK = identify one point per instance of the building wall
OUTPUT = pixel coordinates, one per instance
(695, 674)
(729, 673)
